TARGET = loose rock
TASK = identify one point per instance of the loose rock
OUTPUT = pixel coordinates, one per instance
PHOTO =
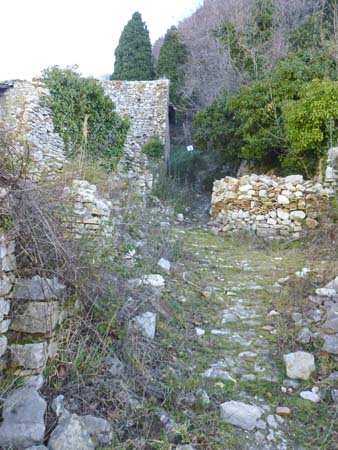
(283, 411)
(23, 419)
(145, 324)
(71, 434)
(241, 414)
(164, 264)
(100, 430)
(299, 365)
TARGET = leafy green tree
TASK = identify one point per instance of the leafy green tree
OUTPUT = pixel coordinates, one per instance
(250, 125)
(172, 57)
(84, 116)
(311, 124)
(217, 129)
(133, 58)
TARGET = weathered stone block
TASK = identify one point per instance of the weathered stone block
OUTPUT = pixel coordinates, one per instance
(6, 284)
(23, 419)
(38, 288)
(29, 356)
(299, 365)
(37, 317)
(3, 345)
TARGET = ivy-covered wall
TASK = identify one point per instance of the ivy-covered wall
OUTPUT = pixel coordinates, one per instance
(23, 111)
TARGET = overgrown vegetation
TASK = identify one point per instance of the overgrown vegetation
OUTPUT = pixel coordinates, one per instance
(154, 148)
(172, 57)
(259, 124)
(84, 116)
(249, 71)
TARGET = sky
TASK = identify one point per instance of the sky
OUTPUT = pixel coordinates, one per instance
(36, 34)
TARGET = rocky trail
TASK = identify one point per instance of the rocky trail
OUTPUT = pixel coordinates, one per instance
(206, 342)
(238, 303)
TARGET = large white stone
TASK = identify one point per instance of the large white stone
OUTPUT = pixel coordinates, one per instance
(241, 414)
(283, 199)
(297, 216)
(294, 179)
(71, 434)
(312, 396)
(164, 264)
(38, 288)
(29, 356)
(23, 419)
(4, 325)
(37, 317)
(145, 323)
(299, 365)
(154, 280)
(324, 292)
(282, 214)
(3, 345)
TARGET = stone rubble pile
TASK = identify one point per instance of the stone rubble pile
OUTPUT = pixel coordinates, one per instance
(269, 206)
(23, 426)
(321, 321)
(91, 211)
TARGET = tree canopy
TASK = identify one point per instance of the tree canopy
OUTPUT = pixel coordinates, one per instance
(172, 57)
(133, 57)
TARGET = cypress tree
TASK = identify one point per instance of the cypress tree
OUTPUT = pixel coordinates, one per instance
(173, 56)
(133, 58)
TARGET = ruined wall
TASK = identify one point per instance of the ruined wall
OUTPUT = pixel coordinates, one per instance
(28, 123)
(331, 173)
(270, 207)
(147, 105)
(31, 308)
(23, 112)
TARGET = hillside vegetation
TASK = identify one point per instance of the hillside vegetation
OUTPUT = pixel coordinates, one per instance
(259, 82)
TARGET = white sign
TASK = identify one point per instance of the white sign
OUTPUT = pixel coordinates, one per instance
(190, 148)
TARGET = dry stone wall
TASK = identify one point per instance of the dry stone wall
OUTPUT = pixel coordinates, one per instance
(30, 311)
(31, 308)
(331, 173)
(7, 277)
(91, 212)
(269, 206)
(146, 103)
(28, 122)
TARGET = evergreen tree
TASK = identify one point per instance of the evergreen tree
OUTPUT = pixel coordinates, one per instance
(173, 56)
(133, 58)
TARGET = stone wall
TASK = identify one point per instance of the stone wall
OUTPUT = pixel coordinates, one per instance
(91, 212)
(31, 308)
(30, 311)
(28, 123)
(7, 277)
(271, 207)
(147, 105)
(331, 173)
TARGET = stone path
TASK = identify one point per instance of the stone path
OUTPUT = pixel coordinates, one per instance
(237, 319)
